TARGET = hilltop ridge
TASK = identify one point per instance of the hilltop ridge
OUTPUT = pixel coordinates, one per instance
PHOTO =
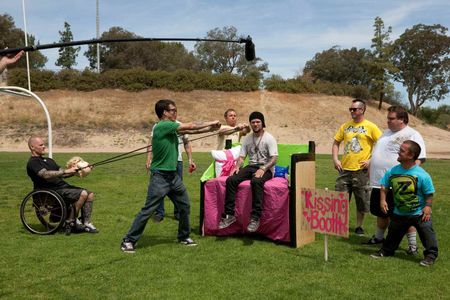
(119, 121)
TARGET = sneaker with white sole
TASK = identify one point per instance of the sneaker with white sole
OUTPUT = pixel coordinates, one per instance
(187, 242)
(89, 227)
(412, 250)
(253, 225)
(373, 241)
(127, 247)
(226, 221)
(428, 261)
(378, 254)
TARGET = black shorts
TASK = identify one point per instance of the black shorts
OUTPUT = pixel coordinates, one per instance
(71, 194)
(375, 203)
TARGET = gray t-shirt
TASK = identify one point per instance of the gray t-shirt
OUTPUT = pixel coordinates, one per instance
(259, 149)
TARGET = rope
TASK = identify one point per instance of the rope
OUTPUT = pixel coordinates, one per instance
(130, 153)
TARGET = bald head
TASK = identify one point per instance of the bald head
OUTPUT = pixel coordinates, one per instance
(36, 145)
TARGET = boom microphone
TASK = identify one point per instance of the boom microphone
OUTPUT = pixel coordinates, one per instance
(249, 49)
(249, 46)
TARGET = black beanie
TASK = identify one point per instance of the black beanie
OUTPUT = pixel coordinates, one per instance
(257, 115)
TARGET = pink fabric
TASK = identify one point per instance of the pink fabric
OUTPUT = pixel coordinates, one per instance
(275, 215)
(228, 164)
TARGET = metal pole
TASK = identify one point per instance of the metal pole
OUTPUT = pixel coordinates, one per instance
(26, 44)
(98, 37)
(47, 114)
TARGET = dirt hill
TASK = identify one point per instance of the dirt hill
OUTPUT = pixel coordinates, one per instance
(119, 121)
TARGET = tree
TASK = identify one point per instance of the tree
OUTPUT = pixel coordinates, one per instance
(153, 55)
(67, 55)
(348, 66)
(12, 37)
(380, 64)
(421, 56)
(220, 57)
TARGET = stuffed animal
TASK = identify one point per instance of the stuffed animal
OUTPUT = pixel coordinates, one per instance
(83, 166)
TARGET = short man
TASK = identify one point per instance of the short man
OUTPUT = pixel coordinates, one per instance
(262, 149)
(164, 179)
(46, 174)
(359, 135)
(384, 157)
(183, 140)
(412, 189)
(231, 132)
(7, 60)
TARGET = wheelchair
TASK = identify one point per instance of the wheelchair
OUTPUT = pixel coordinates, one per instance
(44, 212)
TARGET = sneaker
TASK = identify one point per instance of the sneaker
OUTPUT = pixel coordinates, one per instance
(227, 221)
(359, 231)
(187, 242)
(378, 254)
(412, 250)
(127, 247)
(89, 227)
(428, 261)
(253, 225)
(373, 241)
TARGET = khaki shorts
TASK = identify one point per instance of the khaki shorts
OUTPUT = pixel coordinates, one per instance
(357, 183)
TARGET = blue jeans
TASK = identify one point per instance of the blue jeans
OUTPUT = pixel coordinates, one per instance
(398, 227)
(162, 183)
(160, 209)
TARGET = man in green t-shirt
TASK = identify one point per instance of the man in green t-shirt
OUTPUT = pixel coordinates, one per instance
(164, 179)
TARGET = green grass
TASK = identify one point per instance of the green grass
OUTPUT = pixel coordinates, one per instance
(92, 266)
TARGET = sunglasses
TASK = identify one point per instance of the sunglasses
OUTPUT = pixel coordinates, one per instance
(351, 109)
(173, 110)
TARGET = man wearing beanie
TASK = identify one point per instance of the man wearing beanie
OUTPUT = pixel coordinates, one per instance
(261, 147)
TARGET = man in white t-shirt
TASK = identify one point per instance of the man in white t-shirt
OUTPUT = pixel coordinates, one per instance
(232, 131)
(384, 157)
(262, 149)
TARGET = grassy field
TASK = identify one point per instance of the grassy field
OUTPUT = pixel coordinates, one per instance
(92, 266)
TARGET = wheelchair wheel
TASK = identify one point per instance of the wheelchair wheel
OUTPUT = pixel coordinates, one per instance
(43, 212)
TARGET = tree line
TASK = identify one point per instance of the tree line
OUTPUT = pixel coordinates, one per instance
(418, 59)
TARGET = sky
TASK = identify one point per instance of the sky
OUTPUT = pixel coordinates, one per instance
(286, 33)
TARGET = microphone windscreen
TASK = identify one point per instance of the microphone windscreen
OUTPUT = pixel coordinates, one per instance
(249, 50)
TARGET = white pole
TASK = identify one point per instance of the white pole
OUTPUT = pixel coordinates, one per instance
(47, 115)
(26, 44)
(98, 36)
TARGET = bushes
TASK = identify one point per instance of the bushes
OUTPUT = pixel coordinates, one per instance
(299, 85)
(132, 80)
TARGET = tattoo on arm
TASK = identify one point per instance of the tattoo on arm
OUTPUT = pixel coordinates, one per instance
(46, 174)
(271, 163)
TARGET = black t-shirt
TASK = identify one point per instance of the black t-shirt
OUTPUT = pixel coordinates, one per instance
(37, 163)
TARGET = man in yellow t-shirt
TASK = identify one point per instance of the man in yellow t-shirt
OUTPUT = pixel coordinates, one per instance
(358, 136)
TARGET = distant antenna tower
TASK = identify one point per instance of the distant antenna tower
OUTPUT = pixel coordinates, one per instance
(97, 19)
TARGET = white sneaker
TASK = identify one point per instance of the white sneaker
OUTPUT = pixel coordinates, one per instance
(89, 227)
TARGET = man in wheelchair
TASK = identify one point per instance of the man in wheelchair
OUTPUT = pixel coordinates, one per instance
(47, 174)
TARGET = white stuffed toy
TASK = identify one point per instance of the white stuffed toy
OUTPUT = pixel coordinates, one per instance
(78, 162)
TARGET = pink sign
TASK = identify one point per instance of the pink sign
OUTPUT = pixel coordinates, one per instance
(325, 211)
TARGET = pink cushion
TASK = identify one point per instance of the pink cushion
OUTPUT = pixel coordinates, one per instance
(275, 215)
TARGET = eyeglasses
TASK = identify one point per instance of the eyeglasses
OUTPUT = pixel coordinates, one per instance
(391, 119)
(172, 110)
(351, 109)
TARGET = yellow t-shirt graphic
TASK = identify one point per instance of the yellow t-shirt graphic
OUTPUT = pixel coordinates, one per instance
(358, 140)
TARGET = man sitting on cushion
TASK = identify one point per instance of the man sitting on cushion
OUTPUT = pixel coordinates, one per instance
(261, 147)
